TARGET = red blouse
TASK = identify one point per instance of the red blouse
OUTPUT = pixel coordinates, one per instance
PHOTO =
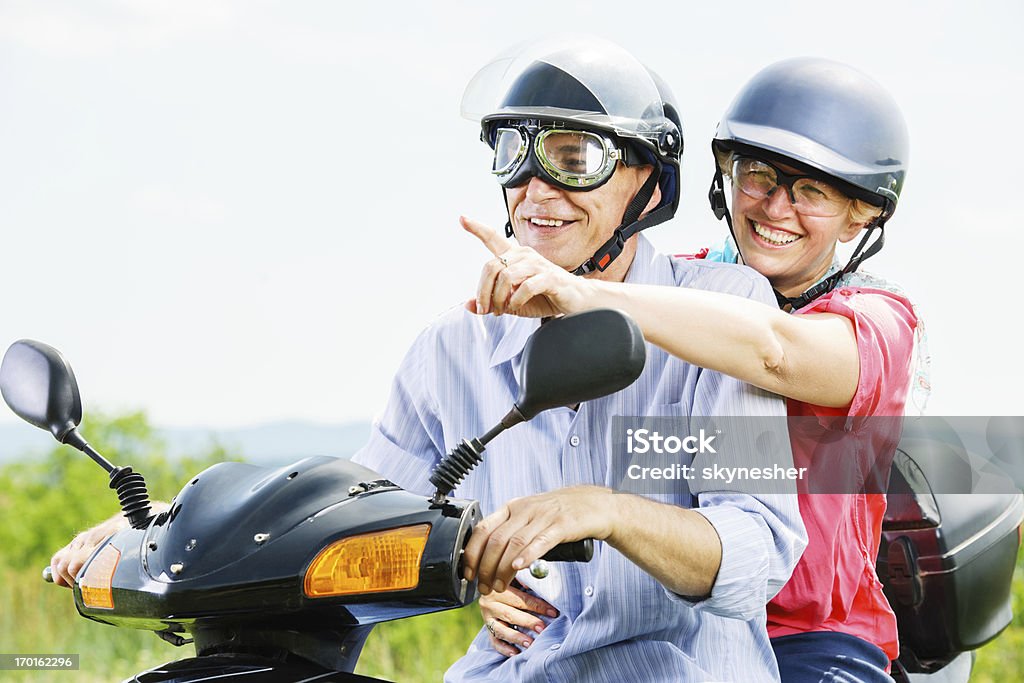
(834, 586)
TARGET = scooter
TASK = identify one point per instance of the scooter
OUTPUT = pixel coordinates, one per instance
(279, 574)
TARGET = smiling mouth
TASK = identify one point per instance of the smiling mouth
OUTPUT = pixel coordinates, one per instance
(548, 224)
(775, 238)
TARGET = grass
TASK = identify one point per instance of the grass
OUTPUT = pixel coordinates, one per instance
(37, 618)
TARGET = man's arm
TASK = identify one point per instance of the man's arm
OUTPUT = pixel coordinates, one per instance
(676, 546)
(407, 438)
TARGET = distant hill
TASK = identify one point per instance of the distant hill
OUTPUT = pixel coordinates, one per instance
(274, 442)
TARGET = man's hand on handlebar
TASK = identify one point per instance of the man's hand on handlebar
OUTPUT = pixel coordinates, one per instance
(526, 528)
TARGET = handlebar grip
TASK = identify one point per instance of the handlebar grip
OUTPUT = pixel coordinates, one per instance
(574, 551)
(47, 574)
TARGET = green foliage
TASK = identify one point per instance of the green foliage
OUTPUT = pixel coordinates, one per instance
(421, 648)
(45, 502)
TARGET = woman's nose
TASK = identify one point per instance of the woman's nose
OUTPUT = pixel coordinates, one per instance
(779, 202)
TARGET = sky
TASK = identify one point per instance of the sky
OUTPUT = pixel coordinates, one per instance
(227, 213)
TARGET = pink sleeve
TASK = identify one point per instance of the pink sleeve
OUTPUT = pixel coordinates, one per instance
(884, 323)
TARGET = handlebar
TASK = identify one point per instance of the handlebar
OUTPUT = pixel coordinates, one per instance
(574, 551)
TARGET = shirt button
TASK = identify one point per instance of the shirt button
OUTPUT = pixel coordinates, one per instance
(588, 591)
(574, 441)
(555, 646)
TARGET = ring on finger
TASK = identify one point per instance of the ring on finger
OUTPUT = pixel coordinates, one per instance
(504, 261)
(489, 625)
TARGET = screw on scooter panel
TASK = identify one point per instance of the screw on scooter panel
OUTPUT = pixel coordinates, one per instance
(40, 387)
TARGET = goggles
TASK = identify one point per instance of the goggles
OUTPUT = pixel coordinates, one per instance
(568, 158)
(759, 179)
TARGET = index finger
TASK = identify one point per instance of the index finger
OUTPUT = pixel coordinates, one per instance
(492, 239)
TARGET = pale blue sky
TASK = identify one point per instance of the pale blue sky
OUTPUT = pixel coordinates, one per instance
(231, 212)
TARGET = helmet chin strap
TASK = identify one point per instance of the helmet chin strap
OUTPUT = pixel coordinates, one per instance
(630, 225)
(716, 195)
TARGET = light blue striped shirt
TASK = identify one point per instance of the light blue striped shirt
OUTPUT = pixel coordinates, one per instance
(615, 622)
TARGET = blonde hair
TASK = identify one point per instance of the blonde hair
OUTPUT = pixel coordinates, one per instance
(859, 211)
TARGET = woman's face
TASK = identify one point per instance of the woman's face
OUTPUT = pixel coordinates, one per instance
(775, 238)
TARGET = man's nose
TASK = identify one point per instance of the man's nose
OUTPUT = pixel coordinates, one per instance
(537, 190)
(779, 202)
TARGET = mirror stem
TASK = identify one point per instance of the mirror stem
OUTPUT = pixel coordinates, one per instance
(513, 418)
(75, 440)
(464, 457)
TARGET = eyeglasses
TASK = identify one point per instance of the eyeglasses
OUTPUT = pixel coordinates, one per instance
(572, 159)
(759, 179)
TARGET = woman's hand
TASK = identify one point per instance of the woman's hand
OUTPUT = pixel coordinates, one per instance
(522, 282)
(511, 618)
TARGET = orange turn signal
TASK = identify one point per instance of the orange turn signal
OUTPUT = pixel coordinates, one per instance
(95, 583)
(368, 563)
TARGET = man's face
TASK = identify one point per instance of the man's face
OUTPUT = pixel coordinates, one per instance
(567, 227)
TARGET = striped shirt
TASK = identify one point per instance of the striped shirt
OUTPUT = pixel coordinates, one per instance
(615, 621)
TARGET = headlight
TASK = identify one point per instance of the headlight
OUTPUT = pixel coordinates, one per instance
(95, 583)
(368, 563)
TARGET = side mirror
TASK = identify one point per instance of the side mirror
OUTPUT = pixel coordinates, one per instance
(578, 358)
(40, 387)
(567, 361)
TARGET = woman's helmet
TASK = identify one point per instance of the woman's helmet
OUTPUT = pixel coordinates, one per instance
(827, 116)
(567, 112)
(829, 120)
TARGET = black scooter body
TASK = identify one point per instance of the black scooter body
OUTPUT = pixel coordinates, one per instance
(226, 565)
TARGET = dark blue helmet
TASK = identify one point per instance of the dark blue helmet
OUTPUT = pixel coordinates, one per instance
(827, 116)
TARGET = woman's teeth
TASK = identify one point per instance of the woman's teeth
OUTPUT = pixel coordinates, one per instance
(547, 223)
(778, 237)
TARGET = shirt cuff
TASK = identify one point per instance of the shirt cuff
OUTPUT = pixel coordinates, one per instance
(740, 590)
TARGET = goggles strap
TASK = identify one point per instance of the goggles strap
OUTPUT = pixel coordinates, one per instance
(631, 224)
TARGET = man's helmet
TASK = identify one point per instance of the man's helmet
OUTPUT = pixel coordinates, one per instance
(594, 98)
(827, 119)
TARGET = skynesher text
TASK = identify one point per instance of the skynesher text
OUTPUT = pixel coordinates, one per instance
(716, 473)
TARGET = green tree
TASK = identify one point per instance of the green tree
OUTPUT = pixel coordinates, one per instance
(44, 503)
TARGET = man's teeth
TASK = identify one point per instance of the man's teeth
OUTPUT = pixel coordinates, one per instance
(774, 236)
(547, 223)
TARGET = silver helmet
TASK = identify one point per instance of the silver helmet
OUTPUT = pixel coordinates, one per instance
(583, 84)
